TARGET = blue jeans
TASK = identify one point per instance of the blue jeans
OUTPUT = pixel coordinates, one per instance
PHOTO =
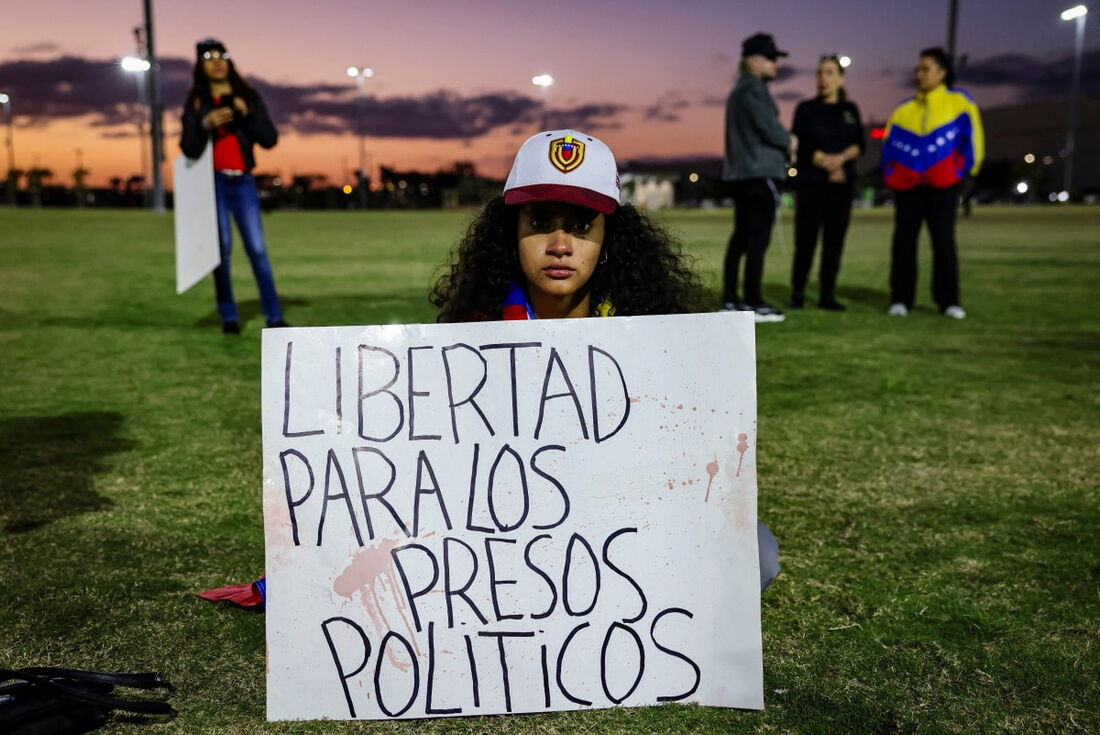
(237, 195)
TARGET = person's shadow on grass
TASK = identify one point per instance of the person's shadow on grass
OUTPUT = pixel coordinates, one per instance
(47, 466)
(248, 310)
(396, 307)
(874, 297)
(781, 292)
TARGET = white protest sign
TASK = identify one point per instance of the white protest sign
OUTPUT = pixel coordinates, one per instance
(511, 517)
(196, 218)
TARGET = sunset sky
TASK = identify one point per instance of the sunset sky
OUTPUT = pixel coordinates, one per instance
(452, 80)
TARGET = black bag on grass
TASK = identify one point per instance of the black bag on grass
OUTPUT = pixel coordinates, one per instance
(44, 700)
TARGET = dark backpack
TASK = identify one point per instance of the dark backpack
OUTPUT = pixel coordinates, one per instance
(44, 700)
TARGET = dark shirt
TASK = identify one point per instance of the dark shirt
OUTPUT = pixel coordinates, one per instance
(829, 128)
(255, 128)
(756, 142)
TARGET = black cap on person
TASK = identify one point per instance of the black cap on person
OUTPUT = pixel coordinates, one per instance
(209, 44)
(762, 44)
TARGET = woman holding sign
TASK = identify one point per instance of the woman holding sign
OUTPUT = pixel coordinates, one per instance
(223, 108)
(558, 244)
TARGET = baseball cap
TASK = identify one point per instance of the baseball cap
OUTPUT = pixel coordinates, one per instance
(564, 166)
(209, 44)
(763, 44)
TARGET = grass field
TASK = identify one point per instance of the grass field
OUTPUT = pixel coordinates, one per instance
(933, 483)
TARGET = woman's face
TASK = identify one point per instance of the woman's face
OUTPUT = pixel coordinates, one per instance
(559, 247)
(928, 74)
(829, 78)
(215, 67)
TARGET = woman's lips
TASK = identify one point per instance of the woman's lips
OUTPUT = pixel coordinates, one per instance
(558, 271)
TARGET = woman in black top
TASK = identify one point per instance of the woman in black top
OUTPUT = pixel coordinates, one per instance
(830, 138)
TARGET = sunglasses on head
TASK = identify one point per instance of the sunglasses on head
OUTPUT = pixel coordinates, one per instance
(210, 55)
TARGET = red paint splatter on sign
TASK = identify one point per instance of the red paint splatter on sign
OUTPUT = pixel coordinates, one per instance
(712, 471)
(742, 447)
(371, 574)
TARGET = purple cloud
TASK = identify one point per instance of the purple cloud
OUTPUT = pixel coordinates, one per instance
(1033, 78)
(42, 47)
(71, 86)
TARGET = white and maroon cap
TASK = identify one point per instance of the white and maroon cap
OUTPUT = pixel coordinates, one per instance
(564, 166)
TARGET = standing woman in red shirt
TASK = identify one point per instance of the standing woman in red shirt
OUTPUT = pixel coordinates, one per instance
(223, 107)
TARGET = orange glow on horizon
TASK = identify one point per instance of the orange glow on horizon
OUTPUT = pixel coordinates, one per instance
(54, 146)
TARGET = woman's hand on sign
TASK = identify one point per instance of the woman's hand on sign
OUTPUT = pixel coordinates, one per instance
(241, 106)
(218, 116)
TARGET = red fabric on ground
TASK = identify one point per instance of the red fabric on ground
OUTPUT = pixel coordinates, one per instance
(245, 595)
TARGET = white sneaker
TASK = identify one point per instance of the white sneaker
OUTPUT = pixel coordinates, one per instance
(898, 310)
(765, 312)
(955, 312)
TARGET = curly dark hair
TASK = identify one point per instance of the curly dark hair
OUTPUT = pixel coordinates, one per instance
(646, 271)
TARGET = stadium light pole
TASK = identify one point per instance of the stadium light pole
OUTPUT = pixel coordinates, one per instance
(361, 75)
(5, 100)
(133, 63)
(138, 67)
(156, 120)
(952, 27)
(1077, 13)
(544, 82)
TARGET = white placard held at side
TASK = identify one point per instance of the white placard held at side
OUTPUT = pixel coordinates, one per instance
(196, 218)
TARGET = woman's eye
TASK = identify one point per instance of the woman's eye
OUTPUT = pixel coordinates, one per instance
(582, 227)
(537, 223)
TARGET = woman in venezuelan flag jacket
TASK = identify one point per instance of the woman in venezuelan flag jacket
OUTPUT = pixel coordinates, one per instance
(933, 142)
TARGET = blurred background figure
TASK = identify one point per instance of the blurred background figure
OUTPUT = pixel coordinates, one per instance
(224, 107)
(933, 142)
(830, 138)
(757, 147)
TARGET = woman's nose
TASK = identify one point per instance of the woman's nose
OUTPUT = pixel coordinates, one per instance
(560, 243)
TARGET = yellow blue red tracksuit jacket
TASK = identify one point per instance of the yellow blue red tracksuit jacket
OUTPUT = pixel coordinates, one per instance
(934, 139)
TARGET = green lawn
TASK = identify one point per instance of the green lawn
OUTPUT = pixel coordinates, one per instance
(933, 483)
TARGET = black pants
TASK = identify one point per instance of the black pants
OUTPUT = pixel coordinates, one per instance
(818, 208)
(753, 216)
(939, 207)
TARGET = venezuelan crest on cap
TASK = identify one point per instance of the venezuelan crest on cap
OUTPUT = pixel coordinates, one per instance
(566, 153)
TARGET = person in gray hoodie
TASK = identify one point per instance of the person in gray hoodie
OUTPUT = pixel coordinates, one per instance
(757, 147)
